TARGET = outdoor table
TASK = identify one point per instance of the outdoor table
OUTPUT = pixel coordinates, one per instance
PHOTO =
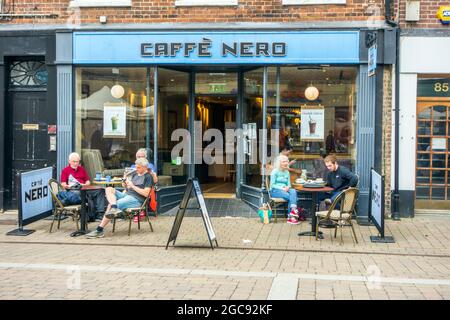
(83, 212)
(314, 192)
(104, 183)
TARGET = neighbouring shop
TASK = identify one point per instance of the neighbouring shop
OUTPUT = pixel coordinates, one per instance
(27, 107)
(312, 86)
(424, 180)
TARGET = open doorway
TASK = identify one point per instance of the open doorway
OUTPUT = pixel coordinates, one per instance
(216, 112)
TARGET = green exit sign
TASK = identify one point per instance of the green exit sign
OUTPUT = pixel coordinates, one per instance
(217, 87)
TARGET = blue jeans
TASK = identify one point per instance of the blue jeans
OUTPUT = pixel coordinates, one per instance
(125, 201)
(290, 196)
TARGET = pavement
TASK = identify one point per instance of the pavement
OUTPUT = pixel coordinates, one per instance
(253, 261)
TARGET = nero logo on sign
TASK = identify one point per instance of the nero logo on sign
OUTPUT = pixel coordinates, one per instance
(37, 191)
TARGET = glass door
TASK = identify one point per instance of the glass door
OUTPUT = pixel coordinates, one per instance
(215, 102)
(433, 156)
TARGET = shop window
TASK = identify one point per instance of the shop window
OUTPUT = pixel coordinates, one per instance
(114, 117)
(179, 3)
(100, 3)
(314, 110)
(28, 73)
(252, 123)
(173, 114)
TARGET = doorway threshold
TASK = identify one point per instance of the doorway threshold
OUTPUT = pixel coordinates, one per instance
(219, 196)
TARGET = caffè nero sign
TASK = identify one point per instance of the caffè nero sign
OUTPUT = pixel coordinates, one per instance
(203, 49)
(215, 47)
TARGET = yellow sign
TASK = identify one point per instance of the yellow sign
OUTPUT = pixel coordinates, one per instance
(444, 14)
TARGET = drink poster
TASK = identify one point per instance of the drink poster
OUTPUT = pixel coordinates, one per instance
(114, 121)
(312, 123)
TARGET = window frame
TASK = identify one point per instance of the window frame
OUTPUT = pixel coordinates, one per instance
(99, 3)
(215, 3)
(310, 2)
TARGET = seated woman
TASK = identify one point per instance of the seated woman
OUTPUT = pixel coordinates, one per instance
(280, 187)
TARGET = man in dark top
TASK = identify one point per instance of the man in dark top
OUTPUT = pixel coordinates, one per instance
(338, 177)
(137, 188)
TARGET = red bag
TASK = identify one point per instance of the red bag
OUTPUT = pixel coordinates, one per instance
(153, 204)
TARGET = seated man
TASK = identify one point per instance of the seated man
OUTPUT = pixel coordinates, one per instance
(338, 177)
(142, 153)
(74, 174)
(137, 188)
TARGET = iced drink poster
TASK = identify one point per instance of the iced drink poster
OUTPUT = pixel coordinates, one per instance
(312, 123)
(114, 120)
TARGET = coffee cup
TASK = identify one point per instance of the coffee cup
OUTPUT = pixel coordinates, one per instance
(98, 176)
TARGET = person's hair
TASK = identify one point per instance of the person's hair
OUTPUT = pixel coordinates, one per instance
(279, 159)
(142, 162)
(74, 155)
(142, 150)
(330, 158)
(286, 148)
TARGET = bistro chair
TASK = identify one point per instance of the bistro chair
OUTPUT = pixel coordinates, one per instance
(338, 218)
(58, 208)
(276, 203)
(130, 213)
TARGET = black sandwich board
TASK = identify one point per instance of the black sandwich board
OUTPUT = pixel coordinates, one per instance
(376, 207)
(192, 186)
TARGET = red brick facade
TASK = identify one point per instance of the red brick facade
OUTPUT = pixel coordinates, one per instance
(157, 11)
(428, 10)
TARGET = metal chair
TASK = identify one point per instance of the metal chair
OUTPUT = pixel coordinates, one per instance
(58, 208)
(275, 203)
(338, 218)
(130, 213)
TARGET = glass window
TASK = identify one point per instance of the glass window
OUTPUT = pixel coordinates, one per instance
(114, 117)
(423, 160)
(422, 192)
(439, 128)
(425, 114)
(28, 73)
(252, 122)
(314, 109)
(423, 176)
(173, 113)
(438, 177)
(438, 194)
(424, 128)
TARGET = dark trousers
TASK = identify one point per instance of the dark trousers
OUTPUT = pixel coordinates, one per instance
(327, 195)
(96, 203)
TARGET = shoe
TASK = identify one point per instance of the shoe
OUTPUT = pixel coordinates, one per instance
(292, 221)
(95, 234)
(141, 217)
(294, 212)
(113, 213)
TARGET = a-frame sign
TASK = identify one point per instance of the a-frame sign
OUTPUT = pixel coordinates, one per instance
(192, 186)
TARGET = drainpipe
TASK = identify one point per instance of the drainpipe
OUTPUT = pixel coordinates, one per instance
(396, 25)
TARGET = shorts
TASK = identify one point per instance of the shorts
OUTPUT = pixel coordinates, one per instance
(125, 201)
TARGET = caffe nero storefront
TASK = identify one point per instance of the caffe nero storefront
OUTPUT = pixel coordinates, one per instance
(131, 90)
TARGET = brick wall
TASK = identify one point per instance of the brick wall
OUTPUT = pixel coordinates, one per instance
(387, 134)
(157, 11)
(428, 10)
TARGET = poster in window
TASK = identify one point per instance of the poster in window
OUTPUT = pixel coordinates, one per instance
(312, 123)
(114, 120)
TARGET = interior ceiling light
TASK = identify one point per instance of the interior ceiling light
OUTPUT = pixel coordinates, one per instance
(311, 93)
(117, 91)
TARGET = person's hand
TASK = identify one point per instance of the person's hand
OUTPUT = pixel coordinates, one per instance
(130, 184)
(292, 162)
(286, 189)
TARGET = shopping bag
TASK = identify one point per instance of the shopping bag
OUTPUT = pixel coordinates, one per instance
(265, 213)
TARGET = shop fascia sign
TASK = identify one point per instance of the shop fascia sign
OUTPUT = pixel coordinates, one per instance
(444, 14)
(203, 49)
